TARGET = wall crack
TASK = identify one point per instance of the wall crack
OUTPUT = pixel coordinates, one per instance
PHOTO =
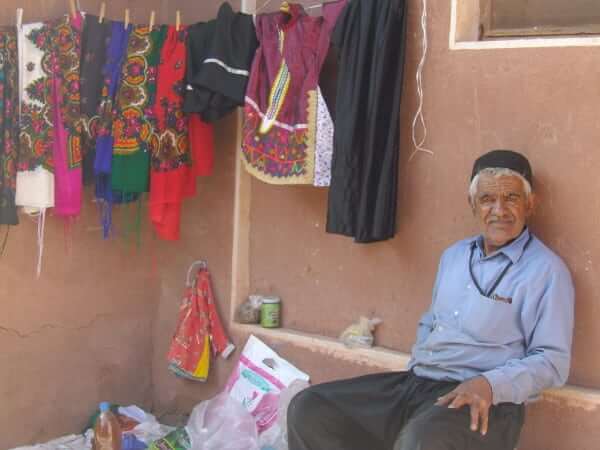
(52, 326)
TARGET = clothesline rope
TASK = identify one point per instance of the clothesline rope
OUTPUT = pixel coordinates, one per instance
(419, 118)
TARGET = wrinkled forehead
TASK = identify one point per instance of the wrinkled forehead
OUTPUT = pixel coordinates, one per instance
(502, 184)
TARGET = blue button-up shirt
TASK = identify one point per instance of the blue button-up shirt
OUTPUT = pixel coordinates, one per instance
(521, 347)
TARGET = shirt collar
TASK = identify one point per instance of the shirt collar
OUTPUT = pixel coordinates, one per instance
(512, 251)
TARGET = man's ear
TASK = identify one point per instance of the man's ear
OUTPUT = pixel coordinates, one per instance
(471, 204)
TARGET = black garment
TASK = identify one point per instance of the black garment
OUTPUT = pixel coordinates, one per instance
(370, 38)
(95, 39)
(220, 54)
(393, 411)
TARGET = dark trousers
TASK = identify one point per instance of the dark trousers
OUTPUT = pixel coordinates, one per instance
(393, 411)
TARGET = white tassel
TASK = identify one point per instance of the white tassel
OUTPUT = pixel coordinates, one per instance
(40, 237)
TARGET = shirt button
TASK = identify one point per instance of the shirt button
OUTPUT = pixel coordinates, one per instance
(468, 286)
(440, 328)
(456, 313)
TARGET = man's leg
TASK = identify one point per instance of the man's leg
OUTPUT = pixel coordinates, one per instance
(350, 414)
(440, 428)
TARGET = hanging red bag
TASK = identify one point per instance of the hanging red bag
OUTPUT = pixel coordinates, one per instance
(199, 329)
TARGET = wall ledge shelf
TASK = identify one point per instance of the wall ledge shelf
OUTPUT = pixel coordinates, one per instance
(386, 359)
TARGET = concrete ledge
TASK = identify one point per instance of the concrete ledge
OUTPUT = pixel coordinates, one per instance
(386, 359)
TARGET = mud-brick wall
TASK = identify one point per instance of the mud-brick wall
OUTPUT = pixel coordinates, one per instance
(542, 102)
(85, 331)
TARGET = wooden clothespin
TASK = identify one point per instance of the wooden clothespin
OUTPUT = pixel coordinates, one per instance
(126, 23)
(152, 17)
(177, 20)
(19, 18)
(102, 12)
(73, 8)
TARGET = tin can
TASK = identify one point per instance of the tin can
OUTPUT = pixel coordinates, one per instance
(270, 312)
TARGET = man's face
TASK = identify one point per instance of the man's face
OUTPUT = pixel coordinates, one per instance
(502, 208)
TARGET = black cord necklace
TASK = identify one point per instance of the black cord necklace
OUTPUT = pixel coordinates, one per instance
(490, 292)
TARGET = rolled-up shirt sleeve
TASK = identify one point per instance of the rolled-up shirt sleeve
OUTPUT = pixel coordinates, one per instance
(548, 323)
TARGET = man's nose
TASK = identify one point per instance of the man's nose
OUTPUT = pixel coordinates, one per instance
(499, 207)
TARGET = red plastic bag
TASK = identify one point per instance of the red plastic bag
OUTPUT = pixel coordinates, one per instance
(198, 330)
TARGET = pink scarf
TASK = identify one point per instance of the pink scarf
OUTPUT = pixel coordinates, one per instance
(67, 121)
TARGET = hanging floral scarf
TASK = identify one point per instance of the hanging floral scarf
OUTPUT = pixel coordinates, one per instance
(94, 42)
(115, 56)
(65, 57)
(9, 98)
(132, 126)
(172, 175)
(35, 178)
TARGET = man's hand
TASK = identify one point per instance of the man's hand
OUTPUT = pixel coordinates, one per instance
(477, 393)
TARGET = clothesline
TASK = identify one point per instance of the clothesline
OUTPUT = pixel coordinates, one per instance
(75, 7)
(102, 16)
(123, 106)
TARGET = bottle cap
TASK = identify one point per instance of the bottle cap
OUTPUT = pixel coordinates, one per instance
(104, 406)
(271, 300)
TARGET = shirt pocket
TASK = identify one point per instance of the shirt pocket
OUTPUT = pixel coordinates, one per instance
(490, 321)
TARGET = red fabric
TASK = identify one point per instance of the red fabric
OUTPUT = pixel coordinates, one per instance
(171, 176)
(198, 318)
(175, 163)
(202, 143)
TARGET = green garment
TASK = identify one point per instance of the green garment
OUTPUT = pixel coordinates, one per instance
(133, 126)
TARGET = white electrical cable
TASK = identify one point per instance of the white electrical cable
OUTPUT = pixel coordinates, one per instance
(419, 118)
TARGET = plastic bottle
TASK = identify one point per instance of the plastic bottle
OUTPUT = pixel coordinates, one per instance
(107, 431)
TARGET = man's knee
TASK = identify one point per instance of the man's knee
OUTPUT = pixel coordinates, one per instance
(420, 437)
(303, 410)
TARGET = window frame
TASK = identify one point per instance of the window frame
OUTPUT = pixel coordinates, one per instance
(487, 31)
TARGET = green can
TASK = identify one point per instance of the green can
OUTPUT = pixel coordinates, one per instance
(270, 312)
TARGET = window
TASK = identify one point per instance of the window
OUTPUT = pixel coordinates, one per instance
(525, 18)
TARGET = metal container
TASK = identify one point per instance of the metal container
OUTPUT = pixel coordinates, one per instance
(270, 312)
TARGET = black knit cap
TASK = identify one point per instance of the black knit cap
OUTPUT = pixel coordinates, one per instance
(503, 159)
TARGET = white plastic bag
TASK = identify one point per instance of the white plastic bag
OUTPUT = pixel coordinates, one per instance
(222, 424)
(257, 382)
(281, 440)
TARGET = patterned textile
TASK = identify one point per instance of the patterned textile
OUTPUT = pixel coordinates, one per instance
(9, 98)
(68, 128)
(172, 174)
(324, 143)
(35, 178)
(198, 329)
(132, 124)
(94, 44)
(281, 100)
(115, 55)
(50, 127)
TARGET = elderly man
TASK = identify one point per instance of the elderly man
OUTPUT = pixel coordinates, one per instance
(498, 332)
